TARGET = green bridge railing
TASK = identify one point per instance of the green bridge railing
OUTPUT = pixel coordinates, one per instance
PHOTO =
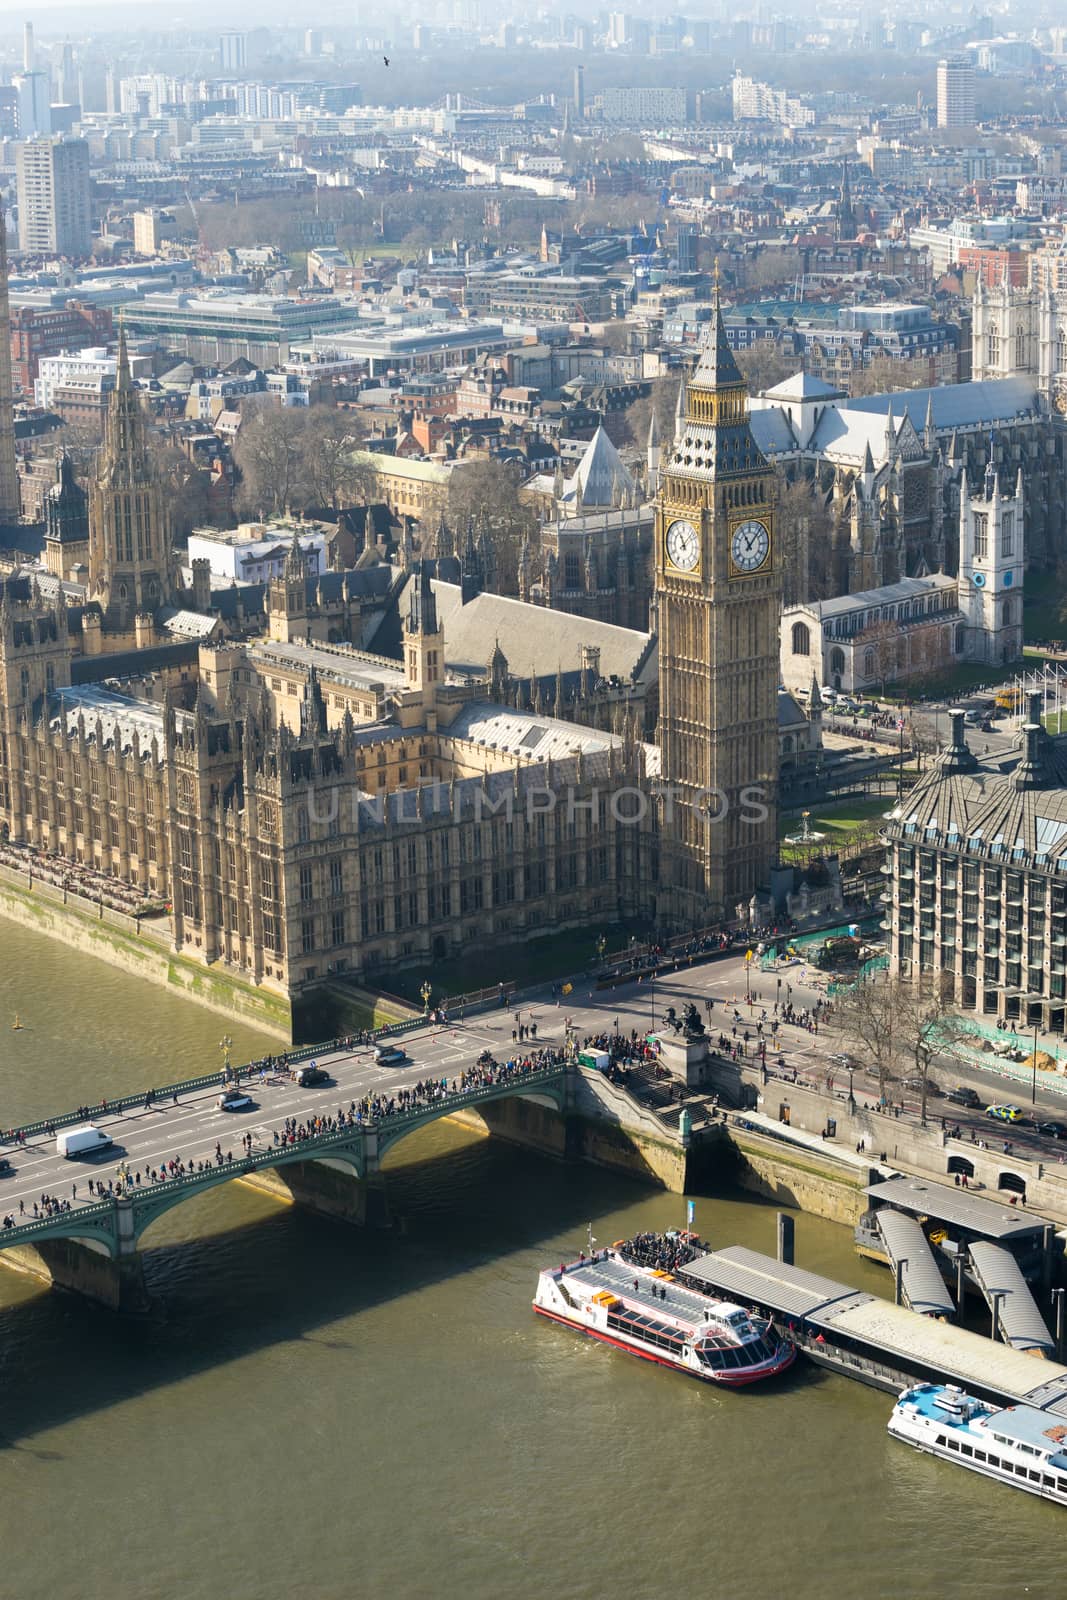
(149, 1194)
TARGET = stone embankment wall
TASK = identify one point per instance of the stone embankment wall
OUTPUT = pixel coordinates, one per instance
(604, 1126)
(144, 955)
(900, 1143)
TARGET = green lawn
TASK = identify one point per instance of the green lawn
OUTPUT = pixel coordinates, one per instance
(961, 680)
(836, 821)
(522, 962)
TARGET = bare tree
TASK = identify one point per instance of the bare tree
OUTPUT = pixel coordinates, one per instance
(897, 1029)
(270, 455)
(186, 486)
(883, 637)
(866, 1017)
(926, 1028)
(882, 373)
(764, 363)
(630, 427)
(327, 445)
(487, 492)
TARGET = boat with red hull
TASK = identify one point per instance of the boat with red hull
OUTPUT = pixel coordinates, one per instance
(649, 1314)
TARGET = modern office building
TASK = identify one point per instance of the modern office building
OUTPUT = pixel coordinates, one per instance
(233, 52)
(55, 217)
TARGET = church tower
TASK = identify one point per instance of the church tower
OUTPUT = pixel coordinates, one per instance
(424, 640)
(718, 597)
(66, 509)
(287, 599)
(992, 563)
(845, 220)
(129, 540)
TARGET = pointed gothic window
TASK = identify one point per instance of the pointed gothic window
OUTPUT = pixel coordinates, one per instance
(1007, 534)
(981, 535)
(801, 639)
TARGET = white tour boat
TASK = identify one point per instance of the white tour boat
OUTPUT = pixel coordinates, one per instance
(649, 1314)
(1020, 1445)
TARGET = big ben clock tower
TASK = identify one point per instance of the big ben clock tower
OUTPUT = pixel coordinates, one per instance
(719, 595)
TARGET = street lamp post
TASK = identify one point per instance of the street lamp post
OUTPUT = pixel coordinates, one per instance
(225, 1045)
(426, 992)
(1033, 1074)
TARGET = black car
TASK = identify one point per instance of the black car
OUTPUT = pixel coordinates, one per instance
(962, 1096)
(6, 1169)
(1052, 1130)
(311, 1075)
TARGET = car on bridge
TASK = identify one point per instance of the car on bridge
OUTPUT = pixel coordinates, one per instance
(963, 1096)
(934, 1090)
(1004, 1113)
(234, 1100)
(1048, 1130)
(311, 1075)
(389, 1055)
(6, 1169)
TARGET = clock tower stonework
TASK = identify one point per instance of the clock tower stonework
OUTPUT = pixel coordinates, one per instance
(718, 597)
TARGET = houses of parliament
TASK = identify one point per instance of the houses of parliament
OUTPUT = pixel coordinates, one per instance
(308, 808)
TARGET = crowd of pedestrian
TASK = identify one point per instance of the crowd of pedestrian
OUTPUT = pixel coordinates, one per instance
(661, 1252)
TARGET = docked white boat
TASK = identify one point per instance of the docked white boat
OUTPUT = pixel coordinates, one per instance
(1021, 1445)
(647, 1313)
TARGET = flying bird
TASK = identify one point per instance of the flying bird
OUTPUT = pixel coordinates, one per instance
(386, 60)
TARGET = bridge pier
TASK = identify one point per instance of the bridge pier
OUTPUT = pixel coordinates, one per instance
(328, 1188)
(115, 1282)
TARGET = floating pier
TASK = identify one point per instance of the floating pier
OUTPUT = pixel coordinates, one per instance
(861, 1336)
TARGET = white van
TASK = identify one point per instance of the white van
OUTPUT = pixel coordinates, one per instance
(81, 1141)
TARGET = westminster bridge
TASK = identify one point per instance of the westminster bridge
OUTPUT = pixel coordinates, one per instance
(80, 1222)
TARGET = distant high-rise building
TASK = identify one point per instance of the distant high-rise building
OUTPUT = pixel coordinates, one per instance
(53, 197)
(9, 483)
(578, 95)
(233, 52)
(313, 42)
(35, 104)
(955, 92)
(66, 75)
(688, 234)
(28, 52)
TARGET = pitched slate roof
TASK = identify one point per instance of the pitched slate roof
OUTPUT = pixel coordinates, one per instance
(803, 386)
(955, 405)
(531, 637)
(1013, 815)
(601, 473)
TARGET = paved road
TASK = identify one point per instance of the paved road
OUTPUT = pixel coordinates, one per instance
(190, 1130)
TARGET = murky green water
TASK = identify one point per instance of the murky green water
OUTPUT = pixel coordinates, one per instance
(326, 1412)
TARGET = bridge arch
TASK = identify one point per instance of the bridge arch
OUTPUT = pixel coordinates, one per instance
(961, 1165)
(545, 1094)
(153, 1203)
(1012, 1182)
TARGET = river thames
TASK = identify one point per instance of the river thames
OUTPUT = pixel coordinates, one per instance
(321, 1411)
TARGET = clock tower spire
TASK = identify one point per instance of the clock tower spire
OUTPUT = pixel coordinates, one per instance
(718, 596)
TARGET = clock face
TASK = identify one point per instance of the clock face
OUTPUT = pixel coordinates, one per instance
(750, 545)
(683, 545)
